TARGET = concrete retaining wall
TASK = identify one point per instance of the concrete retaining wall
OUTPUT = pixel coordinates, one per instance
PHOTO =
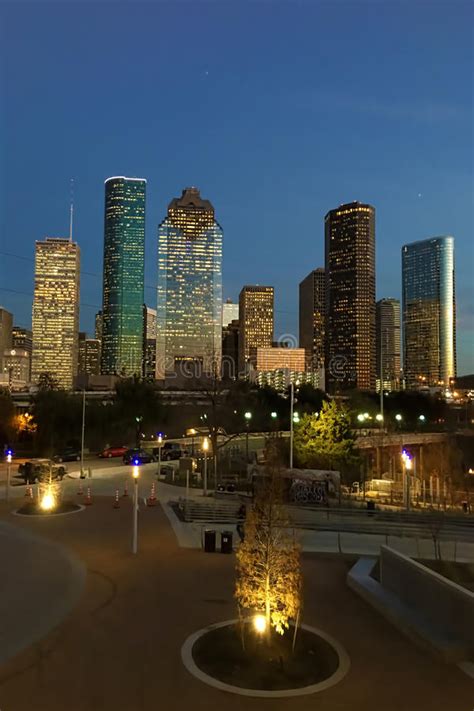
(442, 603)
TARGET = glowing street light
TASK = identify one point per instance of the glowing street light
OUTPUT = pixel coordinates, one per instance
(9, 455)
(407, 464)
(398, 417)
(379, 417)
(422, 418)
(273, 415)
(248, 417)
(135, 474)
(205, 449)
(260, 623)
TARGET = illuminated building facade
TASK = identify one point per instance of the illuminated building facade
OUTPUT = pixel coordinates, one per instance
(56, 310)
(429, 312)
(124, 265)
(312, 306)
(22, 339)
(281, 359)
(189, 310)
(387, 319)
(16, 367)
(89, 355)
(256, 324)
(350, 297)
(6, 329)
(280, 379)
(230, 349)
(230, 312)
(149, 343)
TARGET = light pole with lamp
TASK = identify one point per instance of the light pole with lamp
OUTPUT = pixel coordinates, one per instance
(83, 430)
(160, 443)
(292, 405)
(406, 467)
(205, 449)
(274, 416)
(9, 462)
(135, 473)
(248, 417)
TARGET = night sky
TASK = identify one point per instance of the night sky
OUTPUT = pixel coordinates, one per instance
(277, 111)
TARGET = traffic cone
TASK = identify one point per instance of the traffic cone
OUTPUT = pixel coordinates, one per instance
(151, 501)
(116, 501)
(80, 492)
(88, 499)
(125, 489)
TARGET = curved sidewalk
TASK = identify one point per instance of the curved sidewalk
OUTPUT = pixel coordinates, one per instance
(40, 583)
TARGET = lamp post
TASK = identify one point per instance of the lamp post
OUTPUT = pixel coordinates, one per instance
(406, 467)
(135, 473)
(9, 461)
(274, 416)
(138, 420)
(205, 449)
(292, 404)
(248, 417)
(160, 443)
(83, 431)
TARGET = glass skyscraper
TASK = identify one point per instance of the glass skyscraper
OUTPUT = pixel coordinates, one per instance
(429, 312)
(124, 265)
(388, 344)
(312, 309)
(189, 309)
(350, 297)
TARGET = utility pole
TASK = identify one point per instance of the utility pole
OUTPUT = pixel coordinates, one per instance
(83, 430)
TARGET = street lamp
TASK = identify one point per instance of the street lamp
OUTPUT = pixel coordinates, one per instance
(205, 449)
(138, 420)
(407, 464)
(9, 454)
(135, 474)
(193, 433)
(422, 418)
(398, 417)
(160, 444)
(292, 404)
(248, 417)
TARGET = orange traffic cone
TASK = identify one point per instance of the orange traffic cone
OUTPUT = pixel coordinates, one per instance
(116, 501)
(125, 489)
(151, 501)
(88, 499)
(80, 492)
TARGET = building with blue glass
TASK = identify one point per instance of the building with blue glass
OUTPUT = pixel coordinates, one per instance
(124, 265)
(429, 312)
(189, 304)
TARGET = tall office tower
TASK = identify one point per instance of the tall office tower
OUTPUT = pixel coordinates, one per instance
(311, 313)
(56, 310)
(230, 349)
(16, 368)
(429, 312)
(89, 355)
(350, 297)
(387, 321)
(149, 343)
(22, 339)
(256, 324)
(124, 265)
(6, 326)
(189, 312)
(230, 312)
(98, 325)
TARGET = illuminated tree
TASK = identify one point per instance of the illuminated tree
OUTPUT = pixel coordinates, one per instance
(268, 561)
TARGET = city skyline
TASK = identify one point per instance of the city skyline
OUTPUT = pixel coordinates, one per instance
(411, 159)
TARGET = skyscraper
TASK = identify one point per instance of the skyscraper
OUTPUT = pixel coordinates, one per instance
(230, 349)
(312, 308)
(256, 323)
(89, 355)
(149, 342)
(388, 344)
(22, 339)
(230, 312)
(124, 264)
(429, 312)
(56, 310)
(189, 308)
(6, 326)
(350, 297)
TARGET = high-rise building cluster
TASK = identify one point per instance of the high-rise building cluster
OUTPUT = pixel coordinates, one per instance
(347, 339)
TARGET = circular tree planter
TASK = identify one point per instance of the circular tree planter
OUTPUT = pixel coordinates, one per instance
(32, 509)
(215, 656)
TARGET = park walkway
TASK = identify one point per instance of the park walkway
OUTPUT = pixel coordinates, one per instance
(119, 649)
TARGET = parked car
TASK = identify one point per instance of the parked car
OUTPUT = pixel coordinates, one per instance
(171, 450)
(139, 456)
(113, 452)
(40, 470)
(70, 454)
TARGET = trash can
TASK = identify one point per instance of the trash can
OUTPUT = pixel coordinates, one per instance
(370, 508)
(226, 542)
(209, 541)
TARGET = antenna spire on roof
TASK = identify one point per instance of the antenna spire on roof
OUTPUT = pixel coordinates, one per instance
(71, 210)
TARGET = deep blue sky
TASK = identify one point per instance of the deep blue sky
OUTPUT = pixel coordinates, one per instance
(278, 112)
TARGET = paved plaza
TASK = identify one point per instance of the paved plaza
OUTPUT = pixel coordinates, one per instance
(118, 647)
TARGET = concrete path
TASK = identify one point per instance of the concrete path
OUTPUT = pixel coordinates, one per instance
(41, 581)
(119, 649)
